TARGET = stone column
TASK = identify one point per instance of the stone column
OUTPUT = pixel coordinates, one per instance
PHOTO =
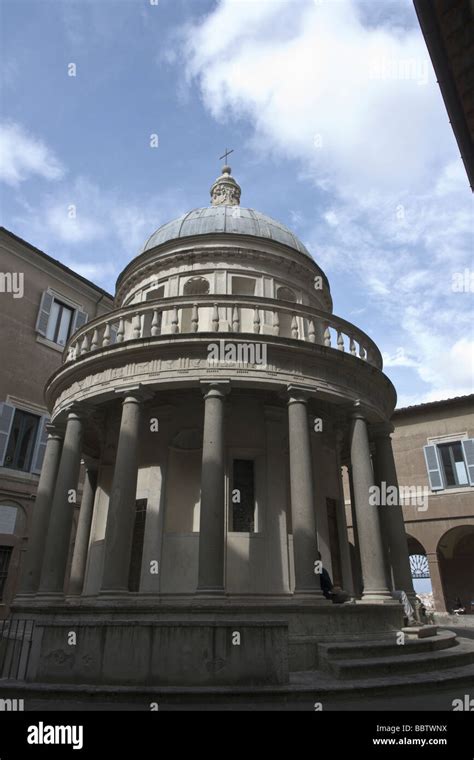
(41, 512)
(121, 512)
(65, 496)
(373, 570)
(436, 581)
(341, 522)
(358, 563)
(276, 530)
(212, 513)
(393, 522)
(302, 504)
(81, 546)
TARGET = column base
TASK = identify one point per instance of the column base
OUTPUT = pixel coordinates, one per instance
(310, 594)
(49, 596)
(375, 596)
(210, 591)
(113, 593)
(24, 596)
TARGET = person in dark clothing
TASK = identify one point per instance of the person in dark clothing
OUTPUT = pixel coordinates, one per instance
(336, 596)
(326, 584)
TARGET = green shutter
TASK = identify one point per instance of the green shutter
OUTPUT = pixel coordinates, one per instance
(468, 451)
(7, 413)
(44, 312)
(433, 466)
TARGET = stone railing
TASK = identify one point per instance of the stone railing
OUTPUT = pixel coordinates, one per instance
(225, 314)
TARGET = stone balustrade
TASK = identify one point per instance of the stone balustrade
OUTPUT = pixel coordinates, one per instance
(226, 314)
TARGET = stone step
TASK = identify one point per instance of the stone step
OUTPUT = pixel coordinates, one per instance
(402, 663)
(385, 647)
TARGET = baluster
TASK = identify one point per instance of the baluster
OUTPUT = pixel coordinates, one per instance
(294, 327)
(95, 340)
(156, 323)
(121, 331)
(195, 318)
(276, 323)
(174, 321)
(327, 337)
(85, 344)
(235, 319)
(136, 326)
(352, 347)
(71, 353)
(340, 341)
(256, 321)
(312, 332)
(106, 337)
(362, 353)
(215, 318)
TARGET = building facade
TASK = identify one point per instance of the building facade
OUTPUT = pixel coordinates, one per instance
(42, 304)
(434, 451)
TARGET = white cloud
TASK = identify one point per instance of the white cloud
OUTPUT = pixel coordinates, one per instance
(319, 85)
(399, 359)
(23, 155)
(331, 218)
(350, 94)
(106, 227)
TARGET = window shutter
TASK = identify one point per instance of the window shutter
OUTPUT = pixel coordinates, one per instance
(7, 412)
(80, 319)
(468, 450)
(40, 446)
(44, 312)
(433, 467)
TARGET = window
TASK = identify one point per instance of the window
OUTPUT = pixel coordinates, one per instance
(137, 545)
(285, 294)
(243, 496)
(7, 519)
(196, 286)
(154, 293)
(450, 464)
(21, 441)
(5, 555)
(58, 320)
(59, 324)
(243, 286)
(454, 468)
(23, 437)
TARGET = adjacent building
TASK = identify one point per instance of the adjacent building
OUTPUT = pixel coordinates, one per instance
(42, 303)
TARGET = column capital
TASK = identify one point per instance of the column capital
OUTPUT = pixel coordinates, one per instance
(134, 393)
(90, 463)
(299, 393)
(215, 388)
(357, 412)
(78, 410)
(55, 430)
(382, 430)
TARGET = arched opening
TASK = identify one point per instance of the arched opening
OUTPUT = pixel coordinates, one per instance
(456, 561)
(195, 286)
(420, 571)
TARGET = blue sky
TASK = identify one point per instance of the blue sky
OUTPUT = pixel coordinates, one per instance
(339, 131)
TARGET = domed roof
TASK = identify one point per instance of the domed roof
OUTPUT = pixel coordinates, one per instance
(225, 218)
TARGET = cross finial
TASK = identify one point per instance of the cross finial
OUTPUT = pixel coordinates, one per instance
(227, 153)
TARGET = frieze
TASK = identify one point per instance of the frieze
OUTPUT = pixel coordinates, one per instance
(329, 373)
